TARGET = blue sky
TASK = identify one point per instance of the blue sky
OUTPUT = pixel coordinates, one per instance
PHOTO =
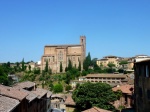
(111, 27)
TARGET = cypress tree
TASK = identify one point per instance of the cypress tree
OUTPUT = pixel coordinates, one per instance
(46, 67)
(79, 67)
(61, 69)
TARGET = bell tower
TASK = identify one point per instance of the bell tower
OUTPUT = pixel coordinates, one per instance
(83, 44)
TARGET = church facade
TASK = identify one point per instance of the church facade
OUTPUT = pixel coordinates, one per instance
(57, 54)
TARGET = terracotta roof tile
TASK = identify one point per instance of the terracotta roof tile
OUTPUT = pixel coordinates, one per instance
(7, 104)
(96, 109)
(12, 92)
(69, 101)
(26, 84)
(124, 88)
(31, 96)
(49, 94)
(40, 92)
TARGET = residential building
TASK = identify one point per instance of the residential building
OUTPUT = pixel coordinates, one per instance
(70, 104)
(30, 98)
(108, 59)
(38, 96)
(49, 94)
(15, 94)
(112, 79)
(106, 78)
(142, 85)
(32, 101)
(61, 54)
(42, 99)
(96, 109)
(8, 104)
(126, 99)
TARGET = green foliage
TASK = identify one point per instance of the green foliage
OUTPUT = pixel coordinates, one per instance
(22, 65)
(51, 86)
(94, 94)
(3, 77)
(79, 67)
(87, 62)
(68, 77)
(29, 67)
(58, 88)
(123, 62)
(84, 73)
(69, 65)
(28, 76)
(46, 66)
(68, 87)
(36, 71)
(66, 69)
(111, 65)
(49, 71)
(61, 68)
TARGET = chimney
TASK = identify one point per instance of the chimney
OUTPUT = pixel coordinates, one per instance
(34, 87)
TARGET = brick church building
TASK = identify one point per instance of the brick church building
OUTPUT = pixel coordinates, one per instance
(56, 54)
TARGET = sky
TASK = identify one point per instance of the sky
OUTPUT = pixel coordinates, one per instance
(111, 27)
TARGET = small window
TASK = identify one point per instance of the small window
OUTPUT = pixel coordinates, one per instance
(147, 71)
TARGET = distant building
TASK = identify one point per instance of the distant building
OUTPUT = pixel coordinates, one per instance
(142, 85)
(126, 99)
(112, 79)
(106, 60)
(57, 54)
(106, 78)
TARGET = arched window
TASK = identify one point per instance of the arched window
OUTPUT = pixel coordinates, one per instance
(60, 56)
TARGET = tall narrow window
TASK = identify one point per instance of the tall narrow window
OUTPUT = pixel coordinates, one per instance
(60, 56)
(147, 71)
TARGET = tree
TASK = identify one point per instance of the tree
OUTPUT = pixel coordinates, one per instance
(23, 66)
(58, 88)
(79, 67)
(46, 66)
(94, 94)
(3, 77)
(122, 63)
(29, 67)
(61, 68)
(69, 65)
(87, 62)
(68, 87)
(111, 65)
(68, 77)
(50, 71)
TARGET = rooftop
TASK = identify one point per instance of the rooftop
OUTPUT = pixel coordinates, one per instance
(24, 85)
(7, 104)
(124, 88)
(106, 75)
(70, 101)
(49, 94)
(40, 92)
(31, 96)
(67, 45)
(96, 109)
(12, 92)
